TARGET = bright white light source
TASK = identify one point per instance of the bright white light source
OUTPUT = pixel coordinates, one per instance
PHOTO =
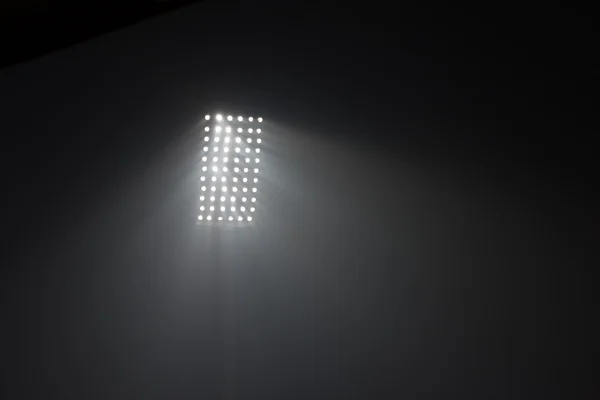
(243, 199)
(227, 139)
(236, 160)
(225, 159)
(254, 199)
(201, 208)
(204, 168)
(226, 149)
(228, 129)
(220, 218)
(209, 218)
(218, 129)
(200, 217)
(236, 169)
(215, 169)
(215, 159)
(202, 178)
(259, 119)
(203, 188)
(220, 117)
(246, 170)
(206, 138)
(204, 158)
(217, 139)
(213, 188)
(238, 140)
(258, 131)
(232, 208)
(240, 130)
(212, 208)
(258, 140)
(249, 140)
(230, 218)
(254, 190)
(240, 119)
(222, 208)
(257, 150)
(201, 198)
(224, 188)
(250, 119)
(247, 150)
(223, 179)
(214, 179)
(249, 130)
(207, 117)
(206, 129)
(256, 170)
(245, 180)
(249, 219)
(239, 218)
(234, 189)
(242, 208)
(252, 209)
(229, 118)
(244, 189)
(212, 198)
(237, 149)
(232, 199)
(255, 180)
(247, 160)
(257, 160)
(225, 169)
(235, 179)
(205, 148)
(215, 149)
(222, 198)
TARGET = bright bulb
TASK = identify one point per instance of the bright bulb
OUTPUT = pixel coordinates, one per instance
(212, 208)
(235, 179)
(230, 218)
(224, 188)
(240, 119)
(218, 129)
(259, 131)
(238, 140)
(256, 170)
(200, 217)
(258, 150)
(250, 119)
(204, 168)
(257, 160)
(207, 117)
(258, 140)
(215, 169)
(220, 117)
(228, 129)
(249, 140)
(237, 149)
(236, 160)
(244, 189)
(229, 118)
(225, 169)
(202, 178)
(234, 189)
(232, 199)
(249, 130)
(214, 179)
(240, 130)
(227, 139)
(245, 180)
(259, 119)
(254, 190)
(204, 158)
(225, 159)
(220, 218)
(242, 208)
(213, 188)
(246, 170)
(206, 129)
(232, 208)
(249, 219)
(247, 160)
(243, 199)
(217, 139)
(215, 149)
(222, 208)
(254, 199)
(205, 148)
(252, 209)
(201, 208)
(201, 198)
(226, 149)
(212, 198)
(215, 159)
(203, 188)
(239, 218)
(255, 180)
(223, 179)
(247, 150)
(222, 198)
(206, 138)
(236, 169)
(209, 218)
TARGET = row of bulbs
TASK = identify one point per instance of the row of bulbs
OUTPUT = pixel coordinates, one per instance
(209, 218)
(226, 159)
(224, 179)
(224, 189)
(218, 129)
(223, 208)
(228, 139)
(225, 169)
(226, 149)
(219, 117)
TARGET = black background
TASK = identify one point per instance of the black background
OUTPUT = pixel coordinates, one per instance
(425, 214)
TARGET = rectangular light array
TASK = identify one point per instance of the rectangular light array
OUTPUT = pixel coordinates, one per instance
(229, 169)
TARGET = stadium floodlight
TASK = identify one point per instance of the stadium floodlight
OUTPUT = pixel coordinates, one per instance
(227, 177)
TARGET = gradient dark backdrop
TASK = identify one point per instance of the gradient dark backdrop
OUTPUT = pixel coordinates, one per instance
(426, 206)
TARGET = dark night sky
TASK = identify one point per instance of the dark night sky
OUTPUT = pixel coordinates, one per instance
(426, 200)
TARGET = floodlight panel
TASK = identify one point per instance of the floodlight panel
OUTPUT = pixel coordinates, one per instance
(228, 170)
